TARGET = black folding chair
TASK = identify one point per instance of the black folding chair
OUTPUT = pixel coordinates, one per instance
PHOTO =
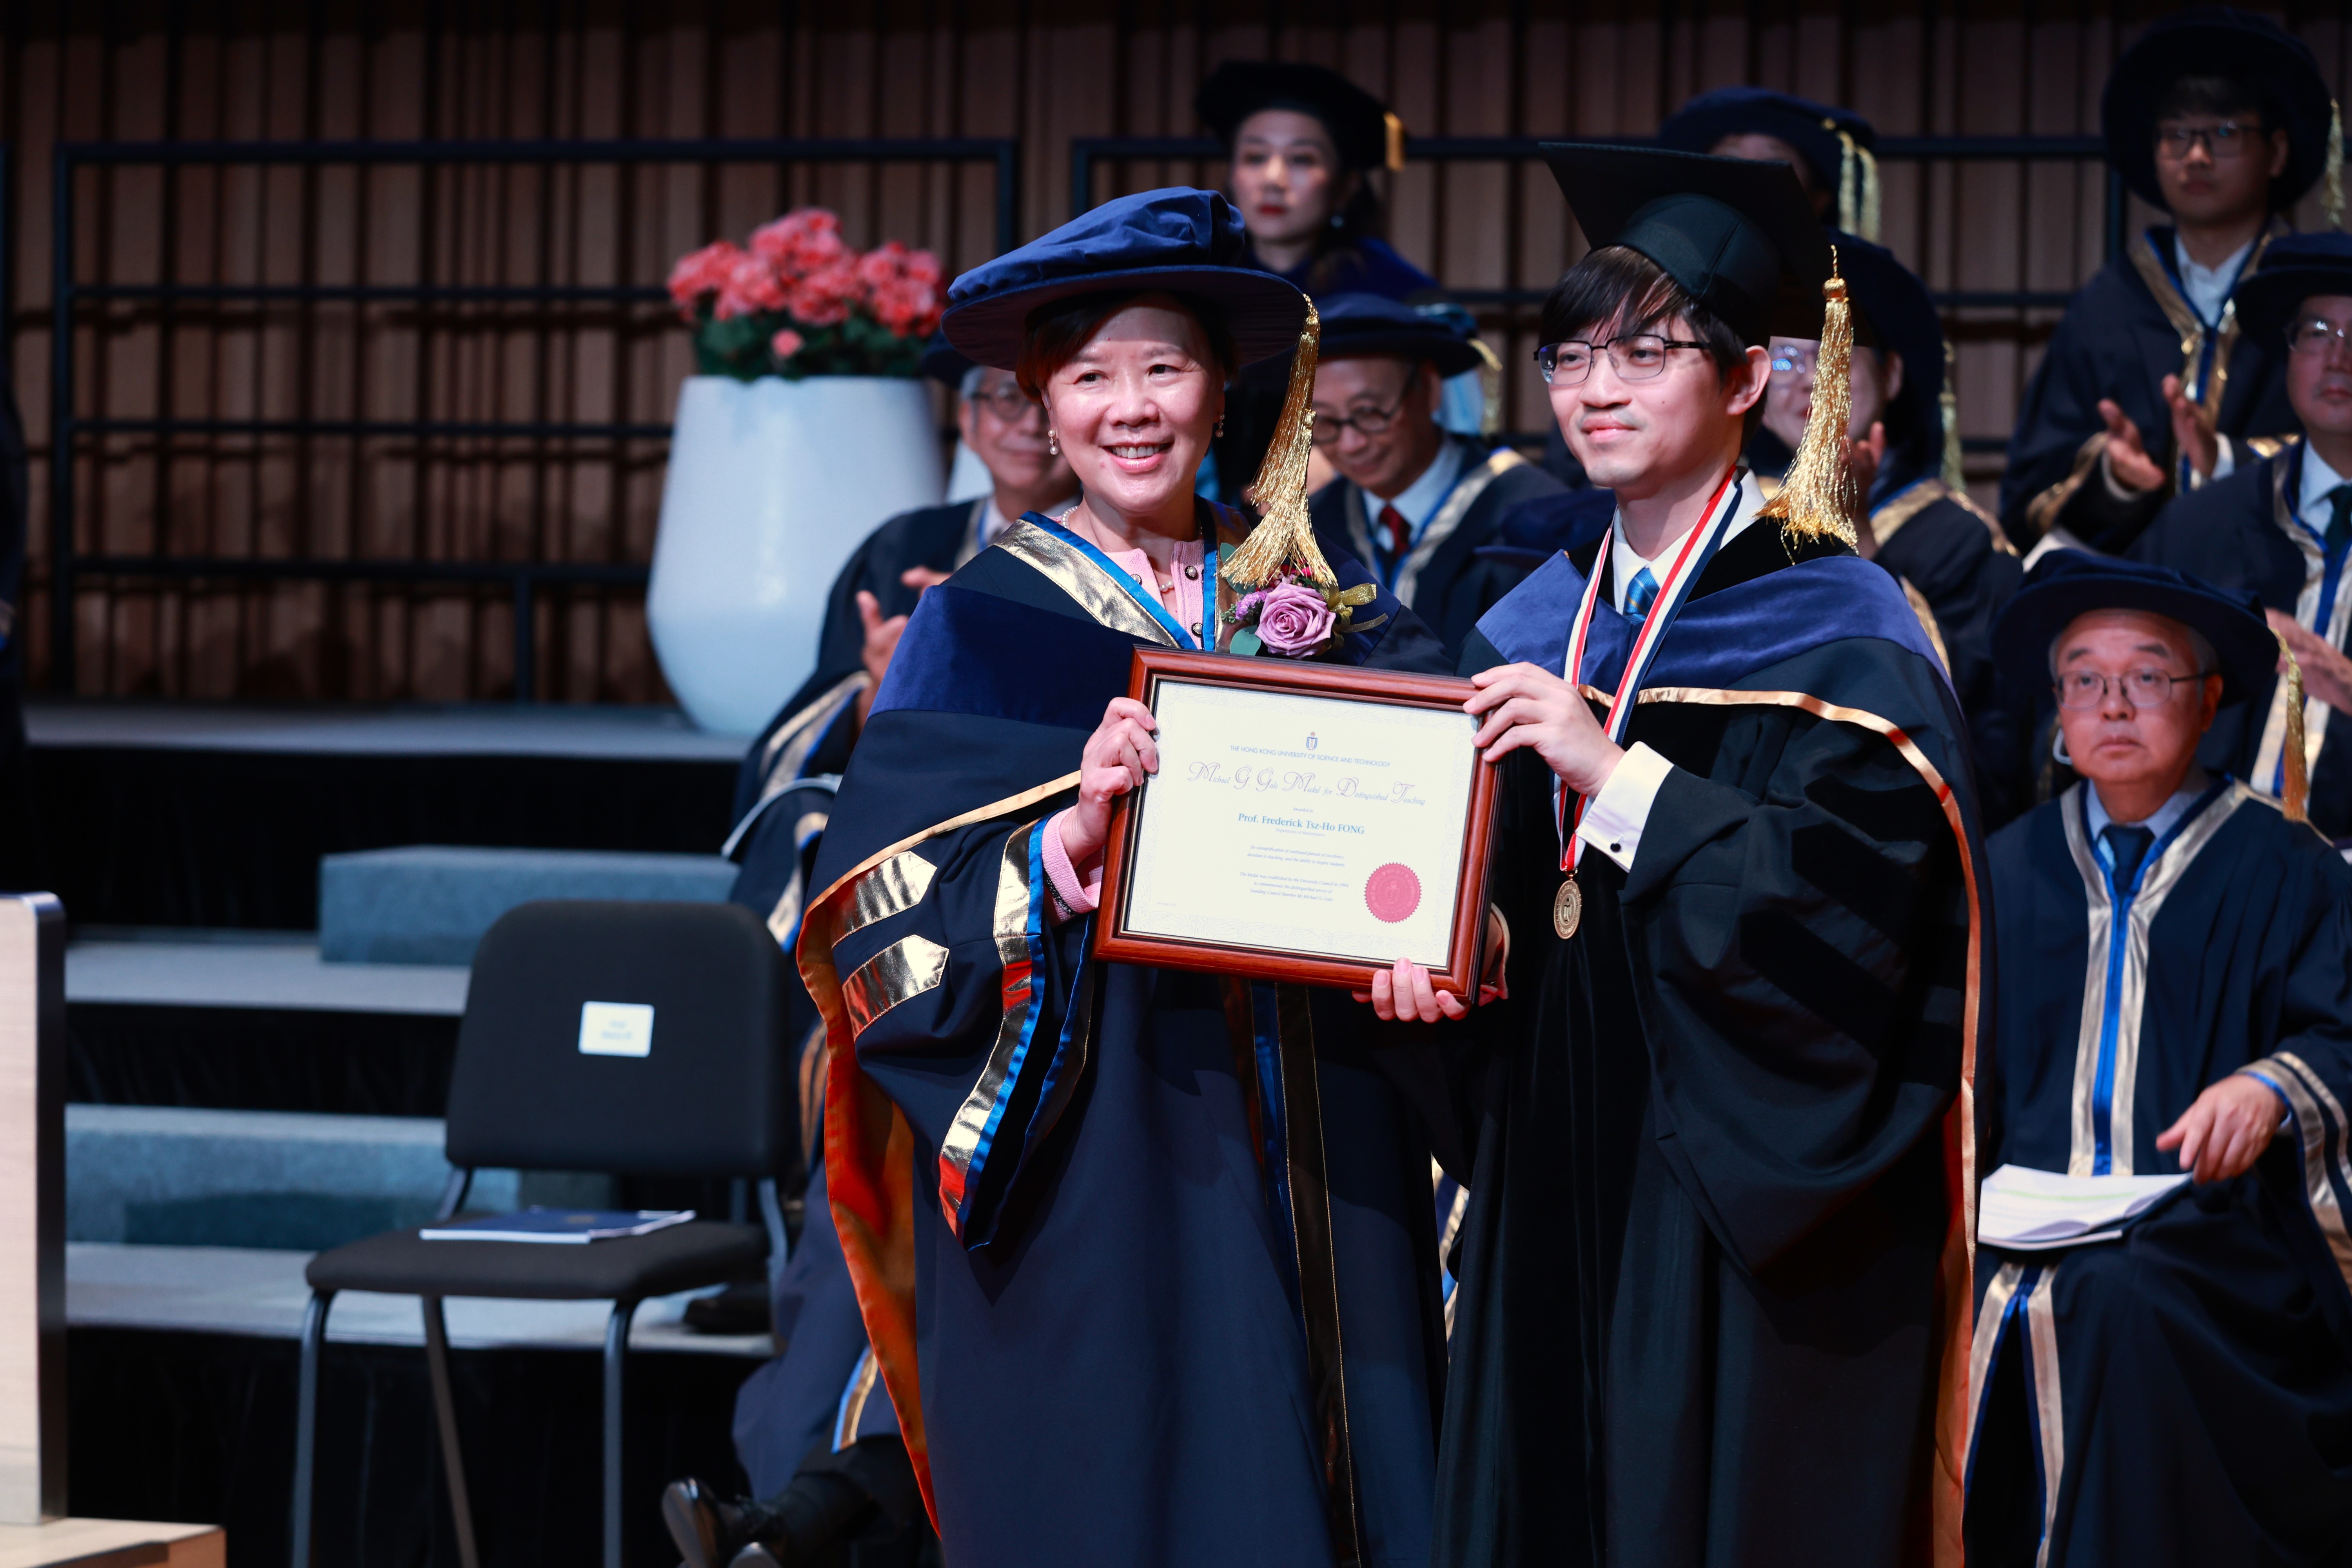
(535, 1088)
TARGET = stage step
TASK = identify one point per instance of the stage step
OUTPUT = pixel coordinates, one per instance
(165, 1175)
(431, 903)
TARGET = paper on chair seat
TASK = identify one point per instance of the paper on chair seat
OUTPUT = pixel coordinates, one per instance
(2028, 1210)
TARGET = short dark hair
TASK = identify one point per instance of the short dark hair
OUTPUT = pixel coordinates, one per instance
(2226, 96)
(1057, 331)
(1616, 290)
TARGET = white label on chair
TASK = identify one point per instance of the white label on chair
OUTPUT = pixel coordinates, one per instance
(616, 1029)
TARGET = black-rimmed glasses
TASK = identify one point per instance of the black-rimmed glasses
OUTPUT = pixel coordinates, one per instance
(1370, 423)
(2222, 143)
(1637, 356)
(2148, 687)
(1007, 402)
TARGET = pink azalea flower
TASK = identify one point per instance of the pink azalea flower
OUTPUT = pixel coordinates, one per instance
(700, 272)
(823, 298)
(751, 287)
(786, 344)
(804, 240)
(1295, 621)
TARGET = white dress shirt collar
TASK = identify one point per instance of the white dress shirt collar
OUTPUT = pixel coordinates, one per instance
(2312, 504)
(2208, 288)
(2160, 822)
(1623, 564)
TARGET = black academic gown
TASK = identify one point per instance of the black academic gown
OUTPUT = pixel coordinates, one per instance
(1711, 1261)
(2122, 333)
(2241, 532)
(1080, 1203)
(1450, 576)
(2183, 1396)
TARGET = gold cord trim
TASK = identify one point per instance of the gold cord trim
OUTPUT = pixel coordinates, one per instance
(2298, 767)
(2331, 200)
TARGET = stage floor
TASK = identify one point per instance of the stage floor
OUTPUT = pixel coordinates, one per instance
(167, 967)
(252, 1291)
(445, 730)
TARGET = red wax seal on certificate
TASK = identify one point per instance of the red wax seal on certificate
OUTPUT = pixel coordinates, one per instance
(1392, 892)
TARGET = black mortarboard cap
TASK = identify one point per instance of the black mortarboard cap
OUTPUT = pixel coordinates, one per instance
(2225, 42)
(1366, 134)
(1739, 235)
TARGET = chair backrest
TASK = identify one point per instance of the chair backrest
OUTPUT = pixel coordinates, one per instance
(644, 1039)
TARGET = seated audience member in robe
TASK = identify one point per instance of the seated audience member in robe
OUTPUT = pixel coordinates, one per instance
(876, 590)
(2151, 386)
(2282, 526)
(1303, 143)
(2175, 955)
(1125, 1311)
(1412, 500)
(1922, 525)
(1710, 1264)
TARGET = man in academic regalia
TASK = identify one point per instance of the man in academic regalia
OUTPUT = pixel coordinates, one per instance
(1924, 527)
(1712, 1261)
(1414, 501)
(2151, 386)
(2282, 526)
(2176, 961)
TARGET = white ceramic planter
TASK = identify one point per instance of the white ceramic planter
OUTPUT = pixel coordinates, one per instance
(771, 484)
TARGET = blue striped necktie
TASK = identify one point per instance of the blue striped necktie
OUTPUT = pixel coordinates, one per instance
(1639, 594)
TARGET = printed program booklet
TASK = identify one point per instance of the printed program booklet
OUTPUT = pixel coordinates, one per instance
(2028, 1211)
(540, 1224)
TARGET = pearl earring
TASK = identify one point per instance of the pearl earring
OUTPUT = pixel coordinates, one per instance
(1053, 445)
(1221, 426)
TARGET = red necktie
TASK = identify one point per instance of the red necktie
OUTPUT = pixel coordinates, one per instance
(1400, 532)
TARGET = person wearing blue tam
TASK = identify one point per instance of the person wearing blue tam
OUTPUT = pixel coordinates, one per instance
(1145, 1259)
(1416, 501)
(1710, 1264)
(2282, 527)
(1829, 148)
(783, 797)
(2175, 951)
(2151, 386)
(1923, 526)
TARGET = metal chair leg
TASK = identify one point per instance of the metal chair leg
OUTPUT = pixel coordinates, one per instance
(306, 1421)
(617, 1345)
(444, 1416)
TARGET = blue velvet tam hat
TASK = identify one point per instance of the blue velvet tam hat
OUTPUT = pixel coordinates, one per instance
(1359, 326)
(1178, 241)
(2294, 267)
(2219, 41)
(1366, 133)
(2069, 582)
(1836, 144)
(943, 365)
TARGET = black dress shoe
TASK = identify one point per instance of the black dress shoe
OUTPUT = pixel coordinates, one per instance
(707, 1532)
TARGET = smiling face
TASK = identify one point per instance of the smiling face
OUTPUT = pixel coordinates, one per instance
(1134, 408)
(2319, 380)
(2115, 743)
(1638, 436)
(1877, 379)
(1286, 177)
(1406, 392)
(1007, 433)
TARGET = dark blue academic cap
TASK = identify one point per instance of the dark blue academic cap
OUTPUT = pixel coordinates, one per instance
(1811, 128)
(943, 365)
(1363, 132)
(2294, 267)
(2065, 584)
(1360, 325)
(1177, 240)
(2225, 42)
(1895, 313)
(1739, 235)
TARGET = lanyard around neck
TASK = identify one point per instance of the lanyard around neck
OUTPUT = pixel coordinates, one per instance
(1698, 548)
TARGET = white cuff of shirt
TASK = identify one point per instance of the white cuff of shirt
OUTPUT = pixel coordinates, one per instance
(1615, 818)
(2225, 461)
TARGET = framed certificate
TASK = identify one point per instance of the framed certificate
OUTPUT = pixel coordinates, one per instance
(1310, 821)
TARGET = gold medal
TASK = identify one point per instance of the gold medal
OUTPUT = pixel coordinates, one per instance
(1567, 908)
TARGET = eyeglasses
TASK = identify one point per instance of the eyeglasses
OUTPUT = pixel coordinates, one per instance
(1369, 422)
(1789, 364)
(1007, 402)
(2148, 687)
(1637, 356)
(2222, 143)
(2317, 335)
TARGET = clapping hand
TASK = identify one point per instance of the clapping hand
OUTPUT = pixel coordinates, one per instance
(2127, 460)
(2193, 430)
(2326, 673)
(882, 636)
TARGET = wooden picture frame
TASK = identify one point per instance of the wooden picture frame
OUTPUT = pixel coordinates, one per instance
(1153, 672)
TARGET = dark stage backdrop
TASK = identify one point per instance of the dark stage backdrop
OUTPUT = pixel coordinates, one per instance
(1044, 71)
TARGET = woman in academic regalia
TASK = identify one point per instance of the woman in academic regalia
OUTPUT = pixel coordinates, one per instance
(1110, 1227)
(1303, 142)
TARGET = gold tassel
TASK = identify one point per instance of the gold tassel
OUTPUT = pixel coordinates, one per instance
(1490, 388)
(2331, 200)
(1284, 536)
(1818, 498)
(1858, 198)
(1954, 475)
(2297, 765)
(1396, 141)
